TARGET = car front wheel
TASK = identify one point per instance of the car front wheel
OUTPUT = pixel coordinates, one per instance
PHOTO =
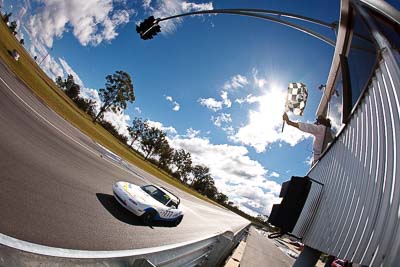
(148, 217)
(178, 221)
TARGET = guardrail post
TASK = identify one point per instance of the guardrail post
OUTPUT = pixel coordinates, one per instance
(220, 250)
(142, 263)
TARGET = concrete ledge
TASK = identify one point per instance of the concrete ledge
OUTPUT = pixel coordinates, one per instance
(234, 260)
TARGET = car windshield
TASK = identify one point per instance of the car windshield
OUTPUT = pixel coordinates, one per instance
(172, 203)
(156, 193)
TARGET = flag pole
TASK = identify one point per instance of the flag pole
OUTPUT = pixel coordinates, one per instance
(283, 125)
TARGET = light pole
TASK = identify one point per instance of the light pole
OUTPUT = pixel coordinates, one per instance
(149, 27)
(48, 52)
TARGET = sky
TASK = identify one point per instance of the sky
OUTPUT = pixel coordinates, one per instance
(215, 83)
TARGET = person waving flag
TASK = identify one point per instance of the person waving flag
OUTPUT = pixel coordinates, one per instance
(296, 99)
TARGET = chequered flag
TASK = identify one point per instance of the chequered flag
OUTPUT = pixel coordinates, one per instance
(296, 98)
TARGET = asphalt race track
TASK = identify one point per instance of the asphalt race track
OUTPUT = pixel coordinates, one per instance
(55, 185)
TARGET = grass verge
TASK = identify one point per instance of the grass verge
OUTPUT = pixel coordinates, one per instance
(37, 80)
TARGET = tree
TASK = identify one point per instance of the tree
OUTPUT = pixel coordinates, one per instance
(6, 17)
(111, 128)
(210, 190)
(204, 183)
(137, 129)
(166, 154)
(183, 162)
(59, 81)
(73, 91)
(69, 86)
(152, 140)
(13, 27)
(201, 176)
(118, 91)
(87, 105)
(222, 198)
(69, 82)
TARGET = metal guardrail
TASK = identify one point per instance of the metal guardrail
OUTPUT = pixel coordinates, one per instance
(207, 252)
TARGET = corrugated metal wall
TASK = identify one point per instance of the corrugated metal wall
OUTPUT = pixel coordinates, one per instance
(357, 216)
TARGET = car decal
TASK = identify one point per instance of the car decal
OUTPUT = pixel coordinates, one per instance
(167, 213)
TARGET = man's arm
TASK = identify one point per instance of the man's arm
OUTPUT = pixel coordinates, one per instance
(285, 117)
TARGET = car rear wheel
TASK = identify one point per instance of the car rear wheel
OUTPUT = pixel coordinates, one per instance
(148, 217)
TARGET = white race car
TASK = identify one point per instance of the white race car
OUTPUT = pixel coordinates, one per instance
(150, 202)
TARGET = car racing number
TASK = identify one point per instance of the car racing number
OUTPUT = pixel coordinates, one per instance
(167, 213)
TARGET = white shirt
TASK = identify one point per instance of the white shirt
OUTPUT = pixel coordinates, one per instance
(318, 130)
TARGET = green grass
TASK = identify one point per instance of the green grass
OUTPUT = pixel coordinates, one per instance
(34, 78)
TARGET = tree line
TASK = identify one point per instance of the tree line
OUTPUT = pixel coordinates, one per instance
(150, 141)
(147, 140)
(12, 25)
(117, 92)
(153, 143)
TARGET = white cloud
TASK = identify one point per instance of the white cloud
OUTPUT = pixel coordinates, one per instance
(222, 158)
(46, 61)
(21, 14)
(259, 82)
(265, 122)
(176, 106)
(236, 82)
(222, 118)
(159, 125)
(69, 70)
(92, 21)
(118, 18)
(190, 7)
(166, 8)
(309, 161)
(244, 180)
(91, 94)
(335, 115)
(215, 105)
(119, 120)
(274, 174)
(191, 133)
(138, 110)
(229, 130)
(211, 103)
(248, 99)
(255, 199)
(225, 100)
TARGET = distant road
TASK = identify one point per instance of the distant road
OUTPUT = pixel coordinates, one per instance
(55, 185)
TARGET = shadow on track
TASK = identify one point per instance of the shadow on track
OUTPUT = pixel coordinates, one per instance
(122, 214)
